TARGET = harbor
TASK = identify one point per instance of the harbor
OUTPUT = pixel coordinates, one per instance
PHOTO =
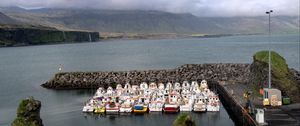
(63, 106)
(166, 92)
(169, 98)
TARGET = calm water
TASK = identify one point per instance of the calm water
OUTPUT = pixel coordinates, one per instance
(23, 69)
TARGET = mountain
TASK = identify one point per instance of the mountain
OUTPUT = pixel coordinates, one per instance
(139, 21)
(4, 19)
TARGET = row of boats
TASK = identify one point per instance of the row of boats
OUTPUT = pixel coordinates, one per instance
(169, 98)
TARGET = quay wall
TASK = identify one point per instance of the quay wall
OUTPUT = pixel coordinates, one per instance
(236, 111)
(235, 73)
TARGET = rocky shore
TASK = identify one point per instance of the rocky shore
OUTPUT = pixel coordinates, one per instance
(31, 35)
(28, 113)
(235, 73)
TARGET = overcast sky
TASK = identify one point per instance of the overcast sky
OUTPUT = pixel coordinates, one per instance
(196, 7)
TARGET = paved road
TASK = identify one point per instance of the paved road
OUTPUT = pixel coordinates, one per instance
(287, 115)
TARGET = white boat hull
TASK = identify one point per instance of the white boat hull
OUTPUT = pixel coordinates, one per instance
(112, 111)
(186, 108)
(199, 108)
(88, 109)
(125, 110)
(155, 109)
(213, 108)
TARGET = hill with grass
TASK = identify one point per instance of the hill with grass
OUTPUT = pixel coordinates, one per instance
(282, 77)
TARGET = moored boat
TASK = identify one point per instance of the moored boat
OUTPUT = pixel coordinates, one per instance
(172, 103)
(200, 104)
(127, 105)
(213, 103)
(157, 102)
(89, 106)
(112, 108)
(187, 101)
(141, 106)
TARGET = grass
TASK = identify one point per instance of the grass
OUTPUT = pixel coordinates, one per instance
(184, 119)
(281, 76)
(278, 63)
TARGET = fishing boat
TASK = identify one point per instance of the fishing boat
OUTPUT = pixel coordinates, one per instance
(89, 106)
(127, 105)
(99, 106)
(112, 107)
(187, 101)
(213, 103)
(157, 102)
(200, 103)
(172, 103)
(141, 106)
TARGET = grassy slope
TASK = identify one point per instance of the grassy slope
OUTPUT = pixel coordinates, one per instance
(281, 76)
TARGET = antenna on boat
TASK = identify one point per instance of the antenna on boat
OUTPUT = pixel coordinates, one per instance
(269, 37)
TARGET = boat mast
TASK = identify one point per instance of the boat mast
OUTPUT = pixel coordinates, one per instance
(269, 13)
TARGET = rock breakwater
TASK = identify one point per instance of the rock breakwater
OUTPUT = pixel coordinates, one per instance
(237, 73)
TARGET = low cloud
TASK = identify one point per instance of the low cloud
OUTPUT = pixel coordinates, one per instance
(196, 7)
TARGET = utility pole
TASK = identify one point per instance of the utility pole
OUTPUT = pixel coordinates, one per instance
(269, 13)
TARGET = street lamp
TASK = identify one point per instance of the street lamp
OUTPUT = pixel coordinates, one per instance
(269, 13)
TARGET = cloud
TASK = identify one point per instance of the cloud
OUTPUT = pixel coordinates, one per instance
(197, 7)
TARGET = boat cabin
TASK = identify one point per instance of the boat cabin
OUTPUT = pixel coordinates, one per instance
(185, 85)
(169, 86)
(153, 86)
(161, 86)
(203, 84)
(143, 86)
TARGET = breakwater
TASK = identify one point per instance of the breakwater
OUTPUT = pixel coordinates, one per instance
(22, 36)
(235, 73)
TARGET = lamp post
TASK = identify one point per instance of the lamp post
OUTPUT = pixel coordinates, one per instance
(269, 13)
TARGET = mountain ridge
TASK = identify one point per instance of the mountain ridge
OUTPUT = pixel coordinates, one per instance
(143, 21)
